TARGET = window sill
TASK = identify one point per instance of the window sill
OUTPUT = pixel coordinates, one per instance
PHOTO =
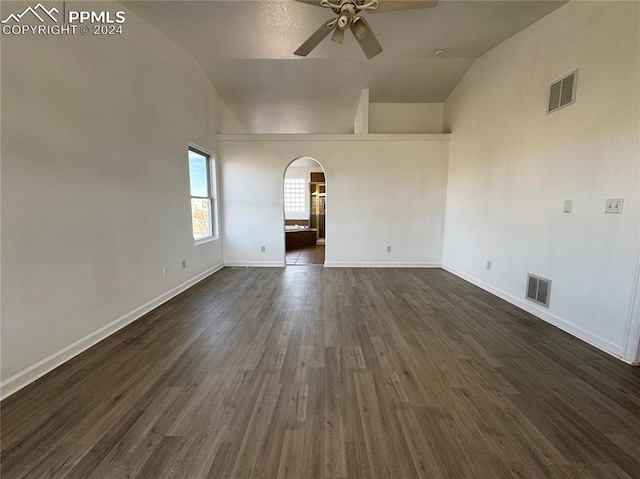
(205, 240)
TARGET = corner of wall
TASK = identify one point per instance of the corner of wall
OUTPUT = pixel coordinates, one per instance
(361, 121)
(25, 377)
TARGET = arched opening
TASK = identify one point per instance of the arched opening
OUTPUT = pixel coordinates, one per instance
(305, 193)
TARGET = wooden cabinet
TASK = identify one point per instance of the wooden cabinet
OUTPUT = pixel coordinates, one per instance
(317, 177)
(300, 238)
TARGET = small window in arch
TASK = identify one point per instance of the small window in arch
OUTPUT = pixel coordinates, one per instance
(294, 195)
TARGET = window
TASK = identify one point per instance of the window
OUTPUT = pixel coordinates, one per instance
(294, 195)
(202, 200)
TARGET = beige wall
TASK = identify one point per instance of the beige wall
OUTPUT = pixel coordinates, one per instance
(95, 190)
(405, 117)
(512, 166)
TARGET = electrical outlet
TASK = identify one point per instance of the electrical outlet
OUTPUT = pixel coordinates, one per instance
(388, 249)
(165, 271)
(184, 263)
(489, 265)
(263, 248)
(613, 205)
(568, 206)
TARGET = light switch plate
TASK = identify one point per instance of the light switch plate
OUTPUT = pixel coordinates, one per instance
(613, 205)
(568, 206)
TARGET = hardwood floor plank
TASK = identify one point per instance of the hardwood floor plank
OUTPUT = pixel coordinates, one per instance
(313, 451)
(128, 456)
(222, 465)
(357, 460)
(290, 464)
(163, 458)
(373, 424)
(424, 461)
(335, 464)
(97, 453)
(252, 450)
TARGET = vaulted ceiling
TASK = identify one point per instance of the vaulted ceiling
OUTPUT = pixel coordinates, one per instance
(246, 50)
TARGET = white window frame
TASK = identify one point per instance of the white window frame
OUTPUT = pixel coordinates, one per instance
(211, 187)
(300, 196)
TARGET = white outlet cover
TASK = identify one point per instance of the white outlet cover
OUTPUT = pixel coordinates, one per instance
(568, 206)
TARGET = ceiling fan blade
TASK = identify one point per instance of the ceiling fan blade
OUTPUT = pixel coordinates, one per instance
(338, 35)
(367, 40)
(395, 5)
(314, 39)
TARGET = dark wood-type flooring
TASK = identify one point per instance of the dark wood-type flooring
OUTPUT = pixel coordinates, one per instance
(306, 255)
(311, 372)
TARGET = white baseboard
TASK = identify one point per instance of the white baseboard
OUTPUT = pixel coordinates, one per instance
(349, 264)
(567, 326)
(39, 369)
(255, 264)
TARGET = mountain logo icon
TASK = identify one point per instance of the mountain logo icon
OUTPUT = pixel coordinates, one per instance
(39, 11)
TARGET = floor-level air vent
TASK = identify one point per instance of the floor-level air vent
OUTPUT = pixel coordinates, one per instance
(538, 289)
(563, 92)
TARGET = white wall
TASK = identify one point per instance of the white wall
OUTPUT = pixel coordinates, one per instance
(405, 117)
(226, 122)
(512, 166)
(381, 191)
(301, 168)
(361, 121)
(95, 190)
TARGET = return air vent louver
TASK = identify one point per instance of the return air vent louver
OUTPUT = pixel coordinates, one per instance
(538, 289)
(563, 92)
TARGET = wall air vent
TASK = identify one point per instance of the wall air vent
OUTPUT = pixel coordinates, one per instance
(538, 290)
(563, 92)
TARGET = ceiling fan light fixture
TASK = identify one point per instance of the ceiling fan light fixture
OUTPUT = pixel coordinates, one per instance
(347, 17)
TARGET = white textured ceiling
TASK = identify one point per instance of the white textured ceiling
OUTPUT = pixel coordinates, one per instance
(246, 49)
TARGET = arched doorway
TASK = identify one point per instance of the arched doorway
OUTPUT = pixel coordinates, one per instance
(304, 200)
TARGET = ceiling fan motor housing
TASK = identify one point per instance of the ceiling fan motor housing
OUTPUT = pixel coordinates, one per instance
(346, 15)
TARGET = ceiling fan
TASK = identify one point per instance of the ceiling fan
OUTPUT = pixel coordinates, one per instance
(348, 12)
